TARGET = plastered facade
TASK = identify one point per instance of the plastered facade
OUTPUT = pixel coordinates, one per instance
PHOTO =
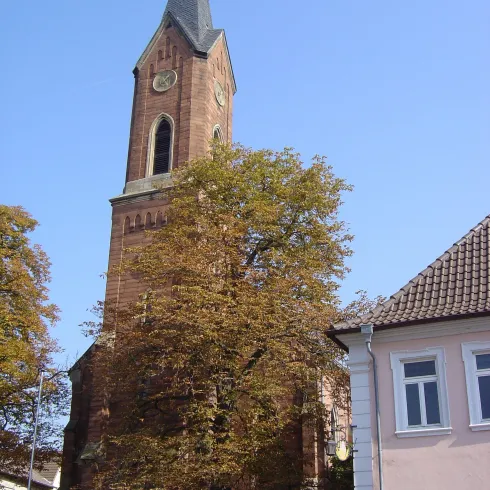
(458, 460)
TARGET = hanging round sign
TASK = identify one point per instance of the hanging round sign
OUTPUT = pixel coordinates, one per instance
(343, 451)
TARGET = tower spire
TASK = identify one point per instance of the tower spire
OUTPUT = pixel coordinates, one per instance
(194, 18)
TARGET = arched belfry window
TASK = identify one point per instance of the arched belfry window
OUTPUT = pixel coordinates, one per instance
(163, 137)
(160, 146)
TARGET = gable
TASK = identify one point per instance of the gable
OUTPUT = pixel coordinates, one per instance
(201, 42)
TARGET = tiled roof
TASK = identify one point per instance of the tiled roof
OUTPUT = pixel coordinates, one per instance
(194, 17)
(37, 478)
(456, 284)
(50, 471)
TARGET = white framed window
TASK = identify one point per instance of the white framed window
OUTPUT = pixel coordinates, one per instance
(421, 397)
(476, 357)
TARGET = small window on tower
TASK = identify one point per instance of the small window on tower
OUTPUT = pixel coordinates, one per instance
(217, 134)
(163, 138)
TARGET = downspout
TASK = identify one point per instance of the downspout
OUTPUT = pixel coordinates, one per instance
(367, 332)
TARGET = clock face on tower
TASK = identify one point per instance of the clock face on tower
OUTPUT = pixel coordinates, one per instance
(220, 93)
(164, 80)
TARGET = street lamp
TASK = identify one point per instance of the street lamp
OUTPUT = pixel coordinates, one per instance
(35, 431)
(342, 449)
(331, 447)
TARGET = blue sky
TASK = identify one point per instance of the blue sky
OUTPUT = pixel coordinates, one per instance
(395, 93)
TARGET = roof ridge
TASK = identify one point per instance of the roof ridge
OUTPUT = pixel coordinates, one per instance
(439, 259)
(194, 16)
(476, 228)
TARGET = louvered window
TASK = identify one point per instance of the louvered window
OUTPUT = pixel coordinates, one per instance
(163, 138)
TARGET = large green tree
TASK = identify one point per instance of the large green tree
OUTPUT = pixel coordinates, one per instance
(229, 336)
(26, 347)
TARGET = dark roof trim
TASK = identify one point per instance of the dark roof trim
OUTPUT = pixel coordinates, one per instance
(331, 335)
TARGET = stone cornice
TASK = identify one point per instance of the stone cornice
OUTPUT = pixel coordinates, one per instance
(136, 197)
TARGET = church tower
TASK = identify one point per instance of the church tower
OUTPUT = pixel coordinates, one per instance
(183, 97)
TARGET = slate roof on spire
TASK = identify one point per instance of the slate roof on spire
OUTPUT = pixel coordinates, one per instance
(194, 18)
(457, 284)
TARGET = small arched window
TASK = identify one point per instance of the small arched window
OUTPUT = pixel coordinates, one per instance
(148, 221)
(163, 141)
(217, 134)
(127, 225)
(137, 223)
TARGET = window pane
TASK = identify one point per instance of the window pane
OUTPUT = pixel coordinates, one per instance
(484, 383)
(432, 403)
(483, 361)
(413, 405)
(416, 369)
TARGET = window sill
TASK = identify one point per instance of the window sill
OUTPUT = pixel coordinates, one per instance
(439, 431)
(479, 427)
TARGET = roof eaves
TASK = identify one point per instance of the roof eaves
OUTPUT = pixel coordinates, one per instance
(410, 323)
(331, 334)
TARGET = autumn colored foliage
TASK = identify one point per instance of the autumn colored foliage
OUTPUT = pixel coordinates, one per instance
(217, 364)
(26, 347)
